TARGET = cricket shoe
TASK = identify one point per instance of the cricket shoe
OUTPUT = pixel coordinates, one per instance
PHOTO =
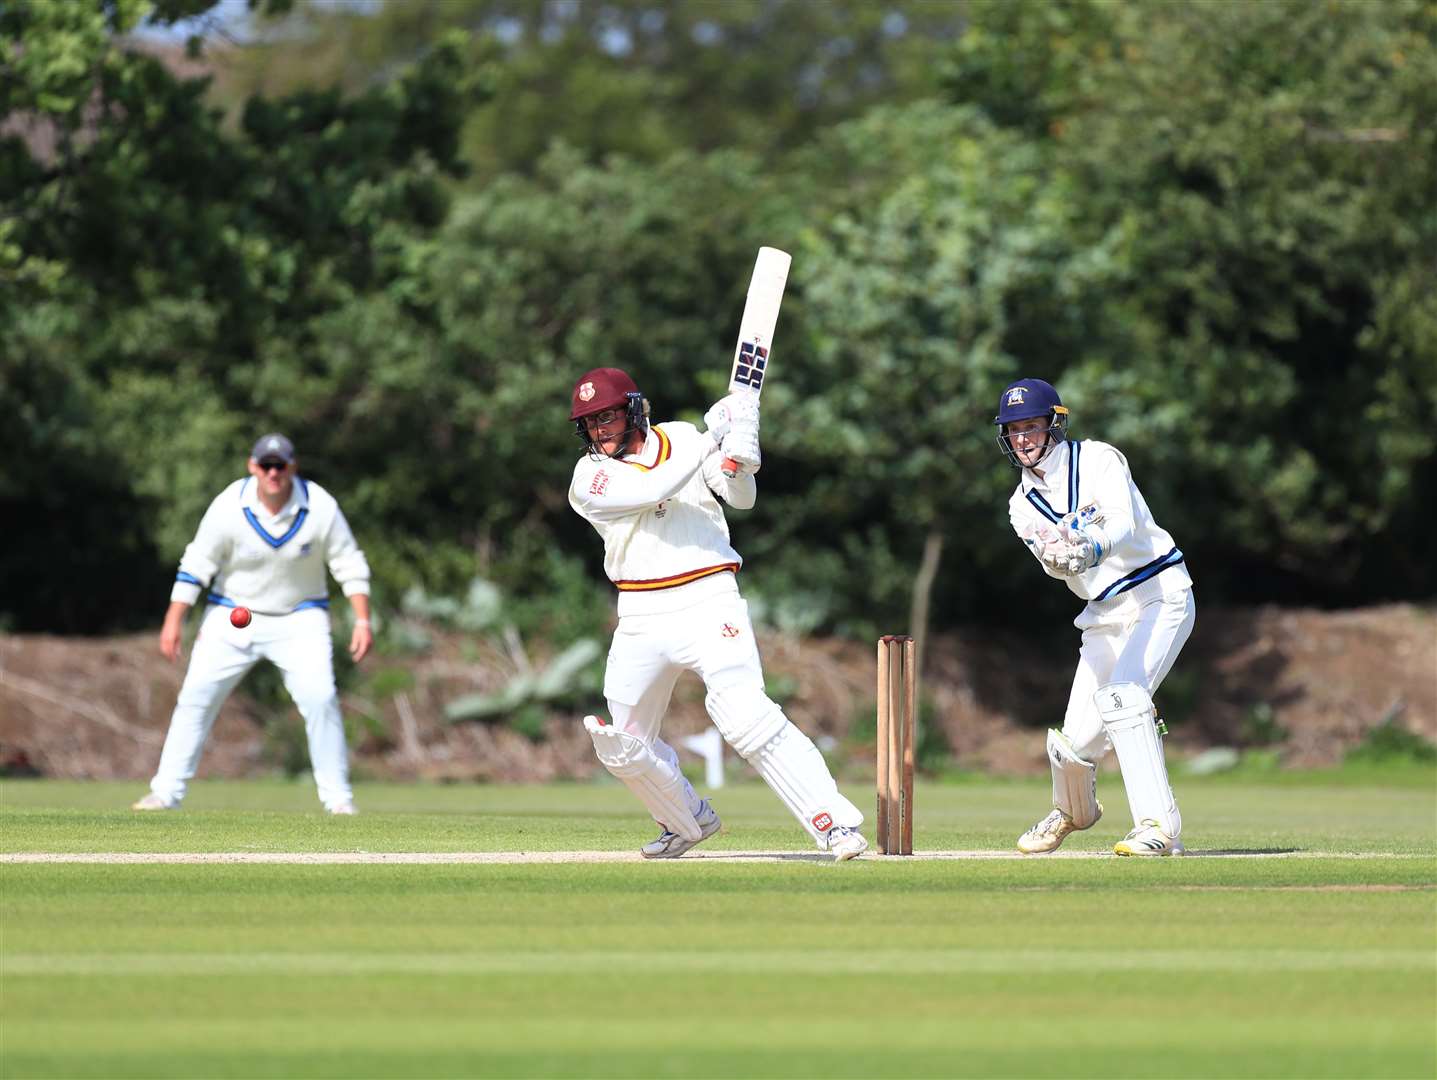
(344, 809)
(670, 845)
(846, 843)
(1148, 839)
(1050, 833)
(154, 802)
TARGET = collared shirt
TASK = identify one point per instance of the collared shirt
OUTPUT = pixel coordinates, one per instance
(271, 563)
(1091, 475)
(659, 517)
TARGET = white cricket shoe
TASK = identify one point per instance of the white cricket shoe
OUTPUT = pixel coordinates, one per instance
(154, 802)
(1148, 839)
(670, 845)
(1050, 833)
(344, 809)
(846, 843)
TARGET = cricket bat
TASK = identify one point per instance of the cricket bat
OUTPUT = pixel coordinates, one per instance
(755, 329)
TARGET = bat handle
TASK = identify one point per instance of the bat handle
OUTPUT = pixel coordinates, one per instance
(730, 467)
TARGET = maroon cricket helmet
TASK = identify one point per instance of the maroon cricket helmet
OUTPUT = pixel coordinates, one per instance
(601, 389)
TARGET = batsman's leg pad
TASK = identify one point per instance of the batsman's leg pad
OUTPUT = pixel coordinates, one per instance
(746, 717)
(785, 757)
(1129, 719)
(657, 782)
(1075, 782)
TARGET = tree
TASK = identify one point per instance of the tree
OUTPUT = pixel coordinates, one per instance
(1264, 171)
(638, 78)
(168, 276)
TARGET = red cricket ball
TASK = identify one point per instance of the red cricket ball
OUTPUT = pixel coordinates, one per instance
(240, 617)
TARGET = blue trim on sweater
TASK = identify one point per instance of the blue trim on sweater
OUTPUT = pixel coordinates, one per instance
(276, 541)
(225, 601)
(1073, 448)
(1141, 574)
(1041, 505)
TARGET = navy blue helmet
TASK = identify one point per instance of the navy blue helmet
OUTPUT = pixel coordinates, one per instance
(1027, 399)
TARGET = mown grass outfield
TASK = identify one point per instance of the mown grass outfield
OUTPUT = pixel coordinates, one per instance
(1308, 947)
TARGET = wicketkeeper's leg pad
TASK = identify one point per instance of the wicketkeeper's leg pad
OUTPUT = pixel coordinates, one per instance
(658, 783)
(784, 756)
(1075, 782)
(1130, 721)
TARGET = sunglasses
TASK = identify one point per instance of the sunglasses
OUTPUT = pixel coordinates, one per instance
(273, 466)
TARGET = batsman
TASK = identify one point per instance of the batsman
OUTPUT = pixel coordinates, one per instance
(1085, 521)
(653, 491)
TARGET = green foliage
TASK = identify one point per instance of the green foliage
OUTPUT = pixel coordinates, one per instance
(632, 78)
(1260, 726)
(1178, 698)
(169, 282)
(932, 752)
(1210, 224)
(1390, 742)
(1263, 172)
(569, 677)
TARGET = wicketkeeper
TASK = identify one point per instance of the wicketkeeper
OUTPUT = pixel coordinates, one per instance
(652, 492)
(1085, 521)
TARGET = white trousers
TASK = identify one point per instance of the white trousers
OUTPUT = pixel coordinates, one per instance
(1134, 643)
(714, 639)
(299, 645)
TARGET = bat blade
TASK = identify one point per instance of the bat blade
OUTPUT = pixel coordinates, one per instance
(752, 354)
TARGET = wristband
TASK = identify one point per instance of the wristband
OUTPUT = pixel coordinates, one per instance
(361, 622)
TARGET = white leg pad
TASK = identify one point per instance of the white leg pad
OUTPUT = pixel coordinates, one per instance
(1075, 782)
(1128, 718)
(785, 757)
(658, 783)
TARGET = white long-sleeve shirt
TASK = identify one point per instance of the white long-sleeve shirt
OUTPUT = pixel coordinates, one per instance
(272, 564)
(1087, 473)
(660, 519)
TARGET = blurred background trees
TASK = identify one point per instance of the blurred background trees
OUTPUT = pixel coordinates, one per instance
(398, 231)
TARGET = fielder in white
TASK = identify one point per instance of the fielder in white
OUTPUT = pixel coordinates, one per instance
(1080, 514)
(264, 544)
(652, 492)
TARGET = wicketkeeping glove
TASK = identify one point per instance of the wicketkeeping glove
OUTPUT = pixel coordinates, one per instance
(1078, 555)
(1063, 553)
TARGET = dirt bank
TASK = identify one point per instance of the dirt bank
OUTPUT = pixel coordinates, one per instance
(1310, 684)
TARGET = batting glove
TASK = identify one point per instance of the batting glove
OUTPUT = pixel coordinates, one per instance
(744, 408)
(719, 418)
(741, 445)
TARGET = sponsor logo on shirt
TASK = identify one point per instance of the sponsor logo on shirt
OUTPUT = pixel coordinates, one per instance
(660, 510)
(600, 483)
(304, 548)
(729, 630)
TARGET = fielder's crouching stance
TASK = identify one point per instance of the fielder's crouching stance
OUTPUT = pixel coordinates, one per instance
(1083, 518)
(650, 491)
(264, 544)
